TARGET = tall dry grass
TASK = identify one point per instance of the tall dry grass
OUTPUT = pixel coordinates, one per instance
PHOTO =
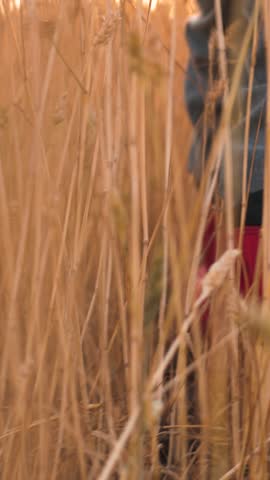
(104, 371)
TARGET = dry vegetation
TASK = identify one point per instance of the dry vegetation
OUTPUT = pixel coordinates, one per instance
(100, 243)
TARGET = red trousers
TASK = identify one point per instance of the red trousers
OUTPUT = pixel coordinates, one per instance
(249, 252)
(249, 258)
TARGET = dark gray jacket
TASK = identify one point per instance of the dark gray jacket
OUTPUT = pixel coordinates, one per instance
(198, 33)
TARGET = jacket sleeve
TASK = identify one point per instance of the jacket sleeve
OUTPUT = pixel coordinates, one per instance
(197, 85)
(198, 32)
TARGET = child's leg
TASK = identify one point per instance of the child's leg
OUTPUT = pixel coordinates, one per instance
(250, 245)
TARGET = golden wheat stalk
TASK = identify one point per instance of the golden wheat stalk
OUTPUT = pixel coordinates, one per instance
(108, 28)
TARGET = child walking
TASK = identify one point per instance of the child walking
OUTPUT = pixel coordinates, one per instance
(205, 103)
(202, 96)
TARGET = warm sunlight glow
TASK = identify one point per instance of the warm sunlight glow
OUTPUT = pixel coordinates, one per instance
(16, 3)
(153, 4)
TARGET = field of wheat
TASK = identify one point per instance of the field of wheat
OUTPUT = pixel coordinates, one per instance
(105, 372)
